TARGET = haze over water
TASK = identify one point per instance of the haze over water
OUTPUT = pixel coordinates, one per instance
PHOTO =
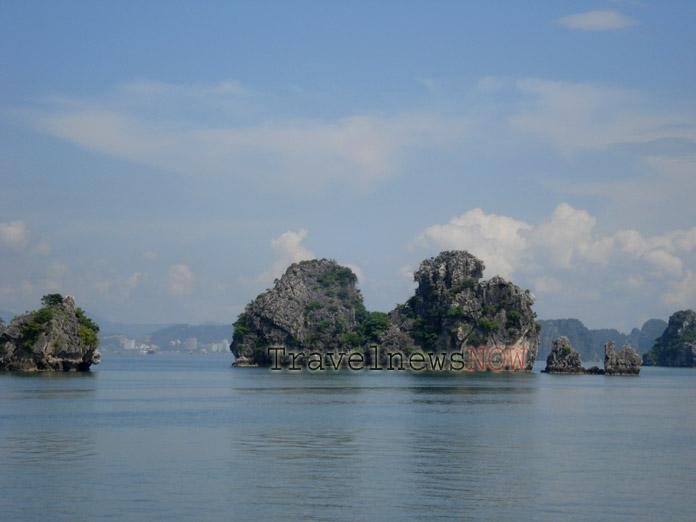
(189, 438)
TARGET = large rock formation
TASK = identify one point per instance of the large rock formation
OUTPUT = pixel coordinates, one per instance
(490, 322)
(316, 307)
(313, 308)
(677, 345)
(57, 337)
(564, 358)
(626, 362)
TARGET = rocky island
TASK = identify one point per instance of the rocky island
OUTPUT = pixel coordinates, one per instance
(315, 312)
(677, 345)
(565, 359)
(57, 337)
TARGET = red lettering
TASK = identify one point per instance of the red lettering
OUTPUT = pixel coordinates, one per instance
(490, 363)
(515, 358)
(481, 362)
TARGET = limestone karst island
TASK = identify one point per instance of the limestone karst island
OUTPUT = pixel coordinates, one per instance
(314, 317)
(57, 337)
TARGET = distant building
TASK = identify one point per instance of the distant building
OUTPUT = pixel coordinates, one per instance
(222, 347)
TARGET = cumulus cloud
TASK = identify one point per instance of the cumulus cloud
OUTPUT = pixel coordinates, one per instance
(597, 21)
(498, 240)
(564, 254)
(13, 235)
(683, 294)
(180, 280)
(568, 235)
(287, 249)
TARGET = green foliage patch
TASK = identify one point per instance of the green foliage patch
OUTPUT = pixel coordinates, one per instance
(487, 325)
(51, 299)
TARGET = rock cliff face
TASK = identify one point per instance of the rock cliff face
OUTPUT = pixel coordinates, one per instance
(491, 322)
(316, 307)
(56, 337)
(677, 345)
(626, 362)
(564, 358)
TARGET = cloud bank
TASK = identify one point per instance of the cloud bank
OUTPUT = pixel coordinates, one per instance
(563, 258)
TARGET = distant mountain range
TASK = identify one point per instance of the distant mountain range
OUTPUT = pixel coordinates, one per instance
(590, 343)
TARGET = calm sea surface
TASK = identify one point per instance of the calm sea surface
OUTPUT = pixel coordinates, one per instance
(190, 438)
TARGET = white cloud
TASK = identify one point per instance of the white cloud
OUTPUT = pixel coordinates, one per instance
(406, 272)
(683, 294)
(150, 256)
(287, 249)
(564, 255)
(13, 235)
(144, 122)
(580, 115)
(135, 279)
(547, 285)
(498, 240)
(598, 21)
(666, 265)
(180, 280)
(568, 235)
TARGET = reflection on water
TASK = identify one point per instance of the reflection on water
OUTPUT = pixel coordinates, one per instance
(191, 439)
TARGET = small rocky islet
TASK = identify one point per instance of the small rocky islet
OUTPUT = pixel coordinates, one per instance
(57, 337)
(564, 359)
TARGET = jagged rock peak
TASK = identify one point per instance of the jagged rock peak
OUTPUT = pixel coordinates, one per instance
(449, 270)
(626, 362)
(56, 337)
(563, 358)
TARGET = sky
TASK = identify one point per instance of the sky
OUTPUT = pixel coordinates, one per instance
(165, 161)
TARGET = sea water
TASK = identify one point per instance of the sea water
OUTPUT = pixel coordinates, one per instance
(187, 437)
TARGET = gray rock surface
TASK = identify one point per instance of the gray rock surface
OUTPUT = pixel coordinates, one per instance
(677, 345)
(564, 358)
(626, 362)
(56, 337)
(491, 322)
(315, 306)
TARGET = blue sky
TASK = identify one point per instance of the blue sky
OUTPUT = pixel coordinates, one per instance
(164, 162)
